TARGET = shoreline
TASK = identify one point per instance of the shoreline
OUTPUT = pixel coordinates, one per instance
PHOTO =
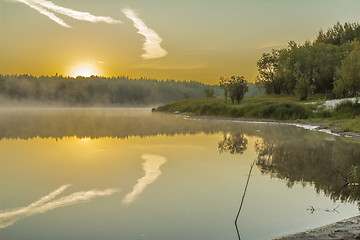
(318, 127)
(348, 229)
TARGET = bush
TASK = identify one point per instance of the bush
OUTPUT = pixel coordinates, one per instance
(347, 109)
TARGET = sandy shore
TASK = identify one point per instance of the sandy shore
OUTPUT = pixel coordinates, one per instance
(348, 229)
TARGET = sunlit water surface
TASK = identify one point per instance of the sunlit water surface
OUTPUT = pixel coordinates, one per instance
(130, 174)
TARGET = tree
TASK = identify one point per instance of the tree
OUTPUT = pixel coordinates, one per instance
(303, 85)
(209, 92)
(349, 74)
(237, 88)
(225, 85)
(267, 67)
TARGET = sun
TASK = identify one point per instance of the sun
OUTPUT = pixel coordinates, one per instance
(84, 70)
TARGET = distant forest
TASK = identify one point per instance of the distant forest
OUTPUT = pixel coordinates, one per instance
(329, 65)
(100, 91)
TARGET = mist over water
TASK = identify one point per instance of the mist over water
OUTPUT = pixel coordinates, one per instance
(180, 178)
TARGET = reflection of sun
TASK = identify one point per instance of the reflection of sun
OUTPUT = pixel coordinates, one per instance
(84, 70)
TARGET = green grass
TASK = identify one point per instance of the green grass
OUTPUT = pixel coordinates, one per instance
(345, 117)
(265, 107)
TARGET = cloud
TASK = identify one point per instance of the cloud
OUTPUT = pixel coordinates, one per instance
(151, 167)
(43, 6)
(152, 40)
(45, 12)
(47, 203)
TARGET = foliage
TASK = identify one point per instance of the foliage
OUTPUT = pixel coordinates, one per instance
(340, 34)
(347, 109)
(96, 91)
(236, 87)
(225, 85)
(330, 65)
(251, 107)
(267, 66)
(348, 82)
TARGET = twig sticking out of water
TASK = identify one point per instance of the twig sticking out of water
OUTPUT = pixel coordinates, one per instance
(312, 209)
(242, 200)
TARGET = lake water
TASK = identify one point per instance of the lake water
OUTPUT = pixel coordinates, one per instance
(132, 174)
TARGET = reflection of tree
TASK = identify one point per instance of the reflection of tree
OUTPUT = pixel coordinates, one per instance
(317, 162)
(235, 143)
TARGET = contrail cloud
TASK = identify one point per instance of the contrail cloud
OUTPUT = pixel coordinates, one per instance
(45, 12)
(151, 167)
(47, 203)
(152, 40)
(44, 7)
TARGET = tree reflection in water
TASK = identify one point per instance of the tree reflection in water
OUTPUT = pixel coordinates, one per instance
(330, 165)
(236, 143)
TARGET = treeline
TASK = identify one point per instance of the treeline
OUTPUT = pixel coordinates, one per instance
(96, 90)
(329, 65)
(100, 91)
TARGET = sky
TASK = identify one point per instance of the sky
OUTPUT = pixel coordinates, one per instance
(193, 40)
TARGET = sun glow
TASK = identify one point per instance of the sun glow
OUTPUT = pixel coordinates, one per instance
(84, 70)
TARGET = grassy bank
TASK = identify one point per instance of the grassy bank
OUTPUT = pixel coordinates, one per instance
(344, 118)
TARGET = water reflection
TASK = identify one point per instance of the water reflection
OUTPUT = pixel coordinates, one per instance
(194, 176)
(48, 202)
(234, 143)
(331, 165)
(151, 167)
(328, 166)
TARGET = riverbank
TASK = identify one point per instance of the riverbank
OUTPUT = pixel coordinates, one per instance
(308, 125)
(343, 119)
(348, 229)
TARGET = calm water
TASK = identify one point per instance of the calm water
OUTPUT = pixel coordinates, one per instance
(130, 174)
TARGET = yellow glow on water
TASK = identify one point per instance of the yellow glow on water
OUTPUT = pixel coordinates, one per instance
(84, 70)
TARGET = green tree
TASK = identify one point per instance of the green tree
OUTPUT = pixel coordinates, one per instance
(267, 67)
(237, 88)
(349, 74)
(303, 85)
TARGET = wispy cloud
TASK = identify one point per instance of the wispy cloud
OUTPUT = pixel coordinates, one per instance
(151, 167)
(43, 6)
(45, 12)
(152, 40)
(47, 203)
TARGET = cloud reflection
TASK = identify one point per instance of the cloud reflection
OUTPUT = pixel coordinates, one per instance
(152, 40)
(151, 167)
(47, 203)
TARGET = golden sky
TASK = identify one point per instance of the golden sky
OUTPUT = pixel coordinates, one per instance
(196, 40)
